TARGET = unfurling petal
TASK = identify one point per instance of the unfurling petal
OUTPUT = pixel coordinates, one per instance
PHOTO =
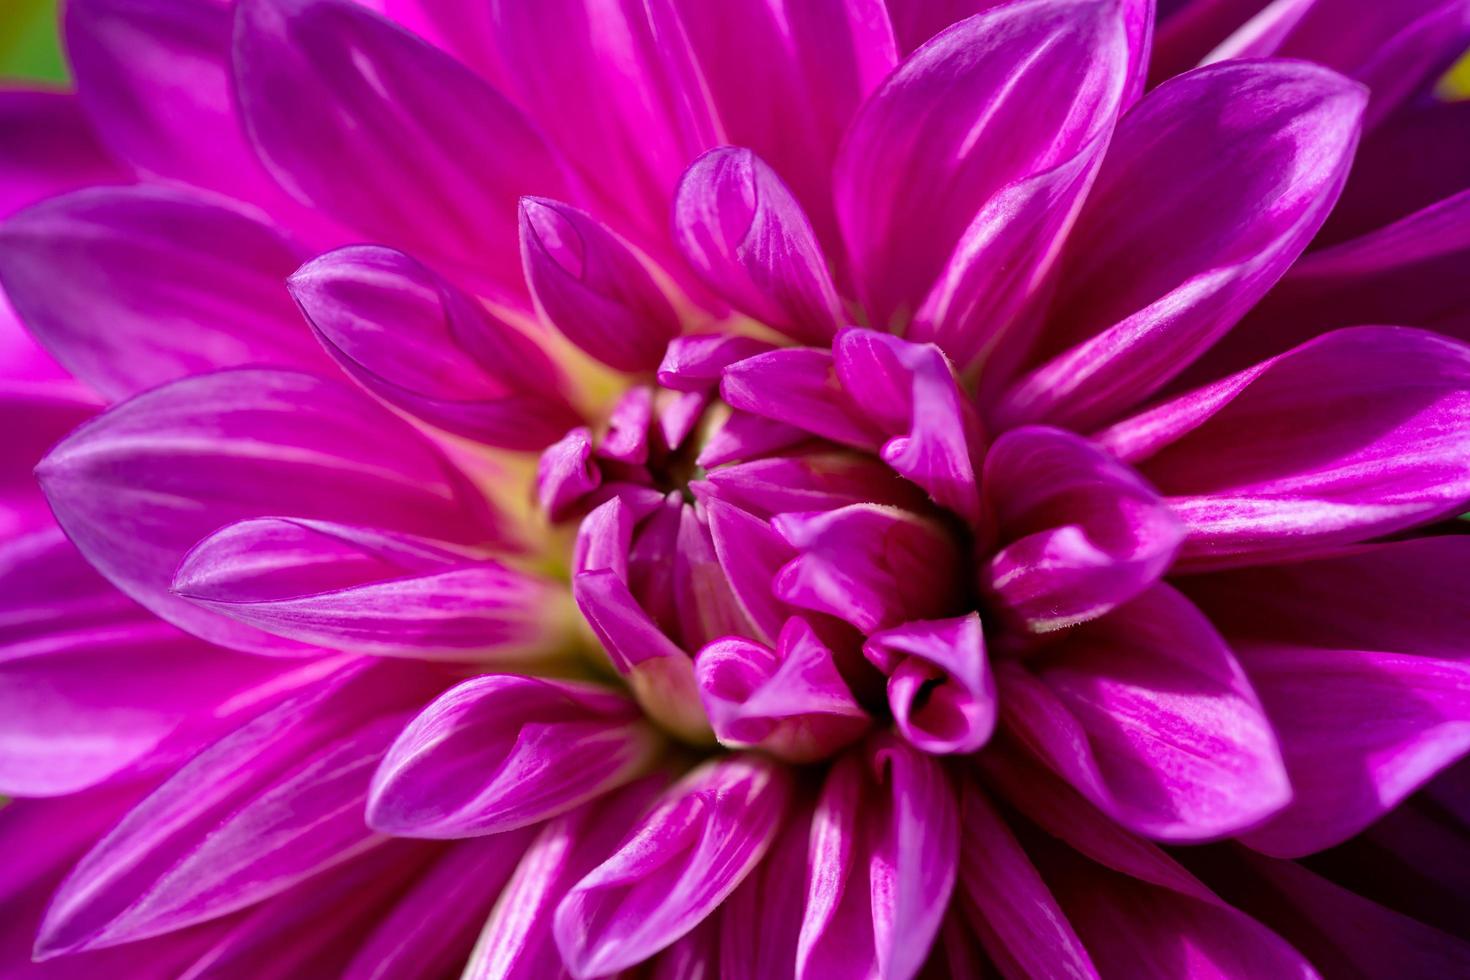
(746, 236)
(590, 285)
(517, 941)
(1080, 533)
(159, 284)
(873, 566)
(682, 861)
(139, 486)
(1354, 435)
(1211, 188)
(1148, 714)
(881, 864)
(373, 592)
(791, 701)
(503, 751)
(439, 158)
(798, 386)
(423, 346)
(939, 682)
(267, 806)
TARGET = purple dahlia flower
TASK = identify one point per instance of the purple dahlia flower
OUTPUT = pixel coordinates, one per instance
(741, 489)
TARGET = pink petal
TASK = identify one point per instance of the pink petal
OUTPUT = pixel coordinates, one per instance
(49, 148)
(182, 283)
(1255, 155)
(1148, 715)
(502, 751)
(1080, 533)
(1351, 436)
(823, 479)
(439, 157)
(750, 554)
(675, 868)
(139, 486)
(421, 345)
(881, 866)
(747, 237)
(591, 286)
(798, 386)
(696, 362)
(939, 683)
(761, 922)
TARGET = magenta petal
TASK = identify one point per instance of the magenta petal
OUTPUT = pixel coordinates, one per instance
(751, 554)
(761, 922)
(791, 701)
(1006, 902)
(798, 386)
(161, 283)
(140, 485)
(50, 148)
(262, 809)
(674, 869)
(873, 566)
(427, 930)
(421, 345)
(881, 866)
(592, 287)
(517, 941)
(370, 592)
(1354, 435)
(696, 362)
(35, 417)
(747, 237)
(1255, 155)
(1148, 714)
(918, 166)
(823, 479)
(439, 158)
(503, 751)
(1080, 532)
(939, 682)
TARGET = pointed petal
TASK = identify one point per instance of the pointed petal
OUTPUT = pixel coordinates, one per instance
(761, 922)
(875, 567)
(502, 751)
(819, 480)
(798, 386)
(140, 485)
(919, 162)
(161, 283)
(1351, 436)
(440, 157)
(1255, 154)
(676, 867)
(747, 237)
(263, 808)
(363, 591)
(751, 555)
(1148, 714)
(939, 683)
(1080, 532)
(695, 363)
(421, 345)
(881, 866)
(591, 286)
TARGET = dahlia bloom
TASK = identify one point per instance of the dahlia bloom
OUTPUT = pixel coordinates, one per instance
(746, 489)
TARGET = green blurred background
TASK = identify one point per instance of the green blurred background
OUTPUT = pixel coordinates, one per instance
(28, 41)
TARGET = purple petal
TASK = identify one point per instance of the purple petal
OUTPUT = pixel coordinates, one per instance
(791, 701)
(1080, 532)
(140, 485)
(427, 930)
(1351, 436)
(502, 751)
(823, 479)
(696, 363)
(798, 386)
(50, 148)
(751, 554)
(747, 436)
(675, 868)
(183, 284)
(566, 474)
(761, 922)
(1149, 716)
(747, 237)
(590, 285)
(35, 418)
(440, 158)
(706, 603)
(517, 941)
(421, 345)
(263, 808)
(873, 566)
(363, 591)
(1255, 154)
(881, 865)
(939, 683)
(918, 166)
